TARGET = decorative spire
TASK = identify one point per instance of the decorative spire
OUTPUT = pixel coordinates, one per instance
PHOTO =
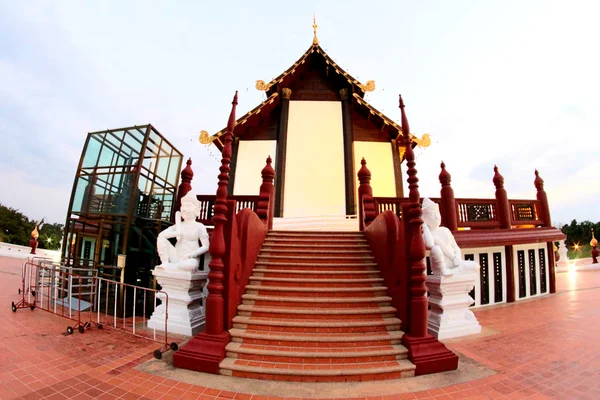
(315, 26)
(498, 179)
(444, 177)
(538, 182)
(594, 241)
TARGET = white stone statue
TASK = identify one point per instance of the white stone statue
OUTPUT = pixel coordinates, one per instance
(178, 275)
(446, 257)
(185, 255)
(563, 252)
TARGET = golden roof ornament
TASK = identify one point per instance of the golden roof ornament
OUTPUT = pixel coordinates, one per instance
(315, 26)
(367, 87)
(594, 241)
(205, 139)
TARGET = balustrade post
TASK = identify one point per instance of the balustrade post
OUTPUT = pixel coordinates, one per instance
(264, 208)
(504, 213)
(542, 198)
(424, 350)
(366, 206)
(184, 187)
(449, 217)
(206, 350)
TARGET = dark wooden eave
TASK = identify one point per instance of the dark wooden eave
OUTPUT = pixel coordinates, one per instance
(506, 237)
(254, 117)
(284, 78)
(251, 118)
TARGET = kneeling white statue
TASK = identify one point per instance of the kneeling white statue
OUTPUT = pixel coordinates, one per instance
(178, 275)
(446, 257)
(452, 280)
(185, 255)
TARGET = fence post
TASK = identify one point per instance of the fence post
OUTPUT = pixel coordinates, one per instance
(206, 350)
(184, 187)
(449, 218)
(424, 350)
(542, 198)
(264, 208)
(366, 206)
(502, 200)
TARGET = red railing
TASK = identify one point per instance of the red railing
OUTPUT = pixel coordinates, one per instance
(525, 212)
(207, 205)
(477, 213)
(474, 213)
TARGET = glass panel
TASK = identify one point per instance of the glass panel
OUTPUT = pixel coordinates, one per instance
(92, 151)
(167, 207)
(82, 183)
(163, 167)
(108, 156)
(165, 149)
(175, 165)
(133, 143)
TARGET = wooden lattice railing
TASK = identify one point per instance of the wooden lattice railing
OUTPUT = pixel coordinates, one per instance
(474, 213)
(207, 205)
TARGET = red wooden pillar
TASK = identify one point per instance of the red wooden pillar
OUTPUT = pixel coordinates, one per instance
(542, 198)
(265, 207)
(185, 186)
(449, 218)
(206, 350)
(366, 205)
(424, 350)
(502, 200)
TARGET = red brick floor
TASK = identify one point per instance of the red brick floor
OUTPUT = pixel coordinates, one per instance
(543, 348)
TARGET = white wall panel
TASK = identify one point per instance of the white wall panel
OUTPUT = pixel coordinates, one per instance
(379, 160)
(314, 172)
(252, 158)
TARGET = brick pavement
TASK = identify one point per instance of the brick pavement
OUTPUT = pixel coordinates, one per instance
(542, 348)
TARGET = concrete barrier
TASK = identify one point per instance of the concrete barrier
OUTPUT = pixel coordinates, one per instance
(17, 251)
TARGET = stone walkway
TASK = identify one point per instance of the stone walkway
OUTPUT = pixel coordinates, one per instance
(540, 348)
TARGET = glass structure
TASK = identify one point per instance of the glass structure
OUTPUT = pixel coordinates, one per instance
(123, 195)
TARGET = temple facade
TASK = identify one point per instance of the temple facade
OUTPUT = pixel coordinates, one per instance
(316, 306)
(315, 102)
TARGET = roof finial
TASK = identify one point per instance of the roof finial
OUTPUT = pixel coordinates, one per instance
(315, 38)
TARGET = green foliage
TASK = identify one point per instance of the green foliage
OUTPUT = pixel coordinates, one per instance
(580, 234)
(16, 228)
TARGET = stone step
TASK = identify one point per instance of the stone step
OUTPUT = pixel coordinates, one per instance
(351, 372)
(316, 240)
(310, 355)
(316, 312)
(332, 234)
(314, 283)
(330, 259)
(318, 246)
(316, 326)
(333, 292)
(316, 265)
(299, 273)
(304, 302)
(287, 339)
(302, 250)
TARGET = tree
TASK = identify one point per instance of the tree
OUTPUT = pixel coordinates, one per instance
(580, 234)
(16, 228)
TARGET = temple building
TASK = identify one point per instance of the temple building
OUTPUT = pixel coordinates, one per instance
(316, 101)
(291, 302)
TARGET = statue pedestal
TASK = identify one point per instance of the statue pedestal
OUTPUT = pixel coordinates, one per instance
(184, 288)
(449, 298)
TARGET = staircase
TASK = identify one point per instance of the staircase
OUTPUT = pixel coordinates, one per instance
(316, 310)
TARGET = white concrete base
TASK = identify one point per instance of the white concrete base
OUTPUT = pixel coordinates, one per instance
(449, 298)
(185, 293)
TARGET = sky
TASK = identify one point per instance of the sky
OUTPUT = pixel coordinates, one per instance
(511, 83)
